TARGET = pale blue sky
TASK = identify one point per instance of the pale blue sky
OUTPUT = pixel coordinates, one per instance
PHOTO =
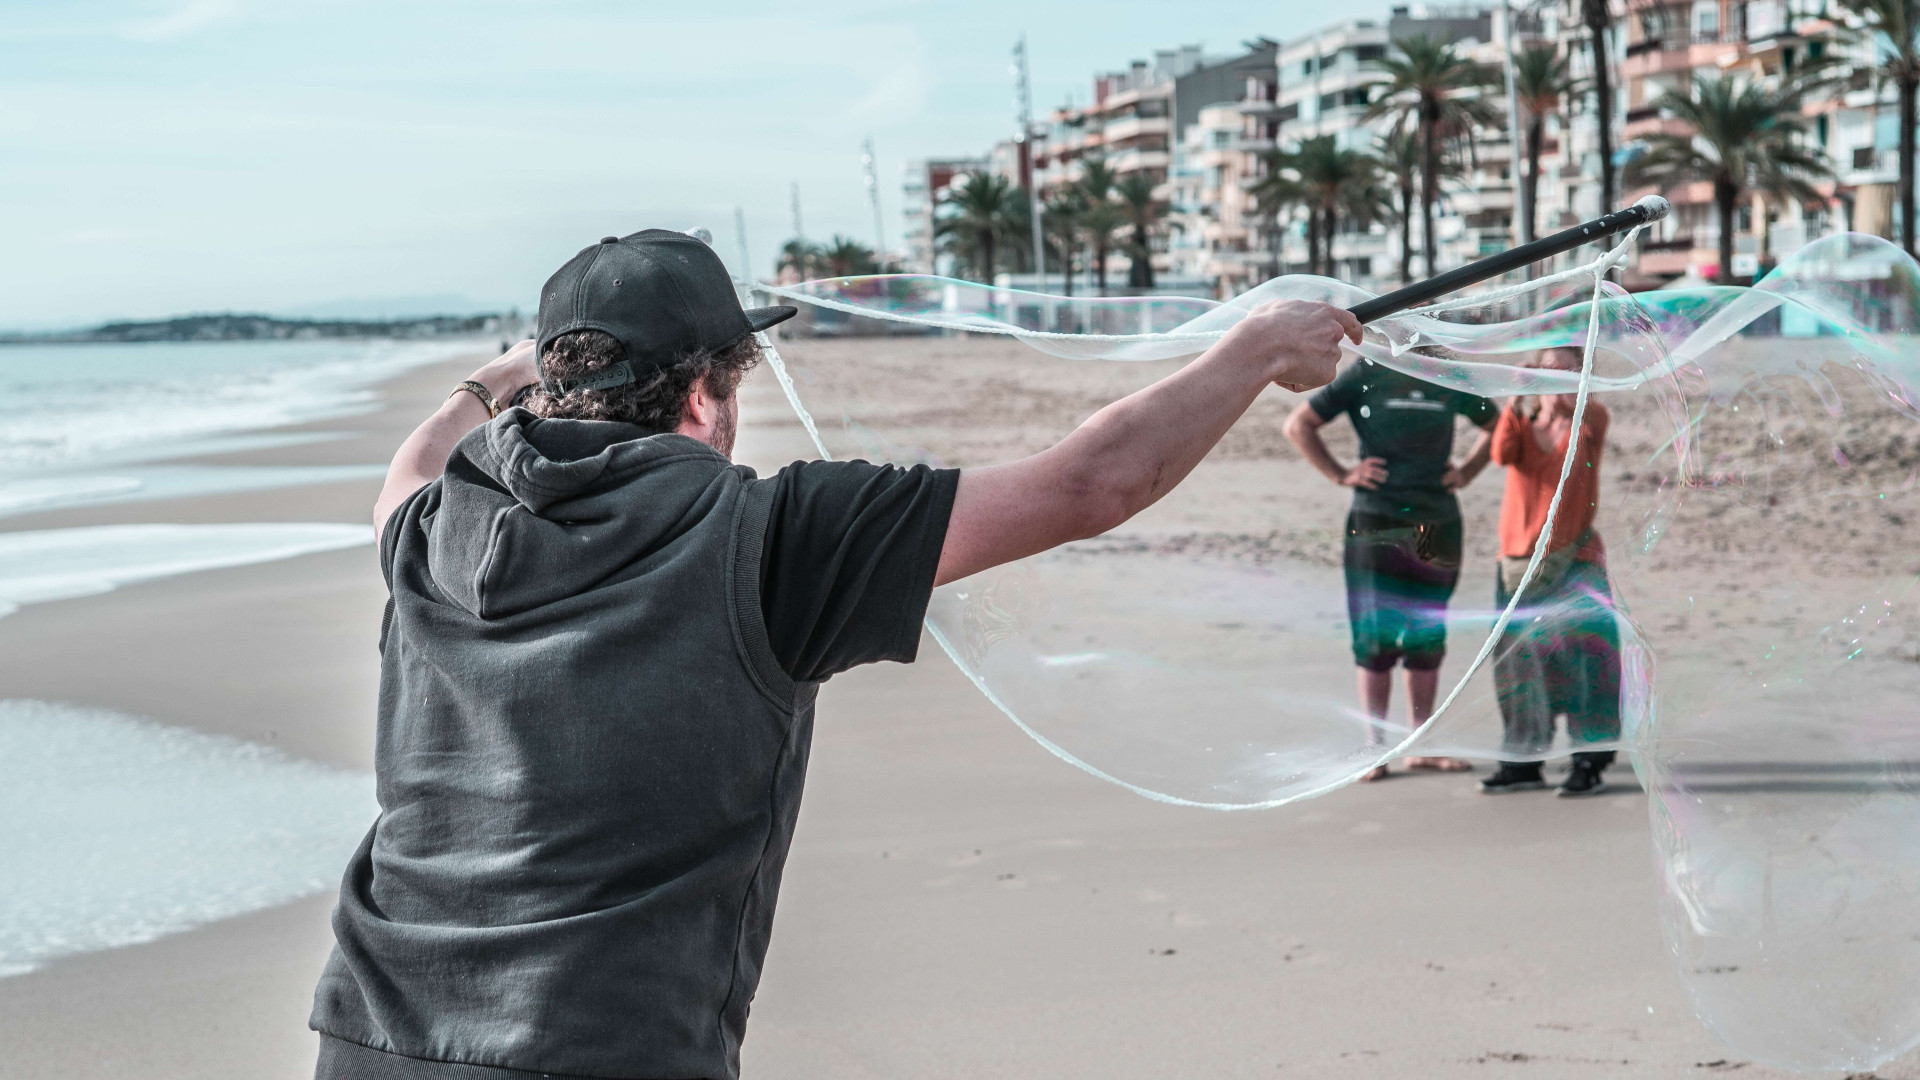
(164, 156)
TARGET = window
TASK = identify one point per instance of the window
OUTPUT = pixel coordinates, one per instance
(1706, 20)
(1328, 101)
(1291, 112)
(1369, 53)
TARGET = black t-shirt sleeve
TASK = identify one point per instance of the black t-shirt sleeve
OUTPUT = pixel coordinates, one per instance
(847, 565)
(1338, 396)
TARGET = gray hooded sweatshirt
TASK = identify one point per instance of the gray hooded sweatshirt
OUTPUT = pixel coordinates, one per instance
(589, 766)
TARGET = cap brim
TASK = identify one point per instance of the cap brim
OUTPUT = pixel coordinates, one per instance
(762, 317)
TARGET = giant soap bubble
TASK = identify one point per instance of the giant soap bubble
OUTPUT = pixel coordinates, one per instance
(1758, 475)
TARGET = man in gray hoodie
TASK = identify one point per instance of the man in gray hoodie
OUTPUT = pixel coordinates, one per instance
(599, 660)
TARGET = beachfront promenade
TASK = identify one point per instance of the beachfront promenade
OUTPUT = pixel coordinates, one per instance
(958, 903)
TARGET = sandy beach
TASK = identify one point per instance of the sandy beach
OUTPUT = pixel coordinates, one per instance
(958, 903)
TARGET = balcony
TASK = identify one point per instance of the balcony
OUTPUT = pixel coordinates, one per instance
(1134, 127)
(1675, 54)
(1128, 161)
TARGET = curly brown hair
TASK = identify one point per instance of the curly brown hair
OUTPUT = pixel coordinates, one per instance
(657, 402)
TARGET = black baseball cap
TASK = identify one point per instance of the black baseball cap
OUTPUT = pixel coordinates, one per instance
(665, 295)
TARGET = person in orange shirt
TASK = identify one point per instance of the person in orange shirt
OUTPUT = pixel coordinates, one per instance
(1560, 653)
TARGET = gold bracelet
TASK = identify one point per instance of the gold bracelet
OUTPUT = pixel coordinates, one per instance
(480, 391)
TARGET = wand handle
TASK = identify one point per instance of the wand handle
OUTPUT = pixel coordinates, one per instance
(1646, 211)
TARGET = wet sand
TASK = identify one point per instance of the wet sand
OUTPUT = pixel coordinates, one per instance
(958, 903)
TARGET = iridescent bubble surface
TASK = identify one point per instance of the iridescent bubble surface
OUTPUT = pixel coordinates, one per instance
(1756, 488)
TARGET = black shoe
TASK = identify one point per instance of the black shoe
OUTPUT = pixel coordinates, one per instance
(1510, 777)
(1583, 779)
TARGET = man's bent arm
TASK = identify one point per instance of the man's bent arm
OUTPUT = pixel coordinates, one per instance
(1129, 454)
(423, 456)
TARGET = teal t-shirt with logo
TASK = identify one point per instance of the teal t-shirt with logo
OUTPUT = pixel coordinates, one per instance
(1408, 423)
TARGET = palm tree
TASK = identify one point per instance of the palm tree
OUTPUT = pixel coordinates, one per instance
(800, 256)
(1895, 26)
(1541, 83)
(1745, 137)
(975, 218)
(1143, 211)
(846, 257)
(1016, 233)
(1277, 191)
(1099, 217)
(1333, 183)
(1060, 224)
(1598, 17)
(1428, 87)
(1400, 158)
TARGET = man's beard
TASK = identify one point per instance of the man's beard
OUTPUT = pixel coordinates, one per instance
(726, 424)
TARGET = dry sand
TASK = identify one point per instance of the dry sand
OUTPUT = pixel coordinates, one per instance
(958, 903)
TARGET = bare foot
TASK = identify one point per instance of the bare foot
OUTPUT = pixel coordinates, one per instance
(1378, 772)
(1439, 764)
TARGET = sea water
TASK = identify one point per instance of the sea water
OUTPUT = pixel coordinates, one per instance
(83, 422)
(115, 829)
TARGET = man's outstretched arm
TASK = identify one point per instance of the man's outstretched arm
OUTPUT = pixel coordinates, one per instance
(1129, 454)
(423, 457)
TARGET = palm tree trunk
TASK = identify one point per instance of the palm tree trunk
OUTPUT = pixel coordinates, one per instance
(1907, 92)
(1724, 198)
(1530, 183)
(1429, 183)
(986, 256)
(1595, 14)
(1331, 221)
(1313, 240)
(1100, 263)
(1406, 233)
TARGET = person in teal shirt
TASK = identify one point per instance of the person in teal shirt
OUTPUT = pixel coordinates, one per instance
(1403, 534)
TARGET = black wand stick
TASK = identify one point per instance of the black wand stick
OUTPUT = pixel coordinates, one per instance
(1645, 212)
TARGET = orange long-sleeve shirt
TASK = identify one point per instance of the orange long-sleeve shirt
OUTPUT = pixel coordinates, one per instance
(1533, 473)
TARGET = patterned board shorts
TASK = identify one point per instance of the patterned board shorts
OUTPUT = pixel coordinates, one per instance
(1400, 575)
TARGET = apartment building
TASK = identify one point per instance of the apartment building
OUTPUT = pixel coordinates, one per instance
(1668, 44)
(1142, 120)
(1324, 83)
(1211, 226)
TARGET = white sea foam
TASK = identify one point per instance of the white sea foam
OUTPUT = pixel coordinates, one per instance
(34, 494)
(118, 830)
(76, 404)
(58, 564)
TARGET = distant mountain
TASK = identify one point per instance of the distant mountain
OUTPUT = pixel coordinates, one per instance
(233, 326)
(394, 307)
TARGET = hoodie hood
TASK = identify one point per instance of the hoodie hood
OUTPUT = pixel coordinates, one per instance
(534, 511)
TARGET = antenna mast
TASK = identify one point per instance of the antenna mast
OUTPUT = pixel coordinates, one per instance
(873, 197)
(1023, 108)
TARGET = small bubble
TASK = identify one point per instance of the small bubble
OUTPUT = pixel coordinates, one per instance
(1365, 412)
